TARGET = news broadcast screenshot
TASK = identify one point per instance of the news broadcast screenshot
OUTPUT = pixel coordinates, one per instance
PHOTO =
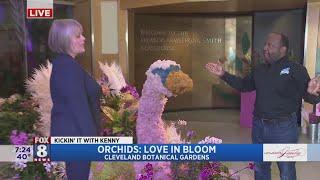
(159, 90)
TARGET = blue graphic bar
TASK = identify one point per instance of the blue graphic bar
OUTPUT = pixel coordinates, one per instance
(156, 152)
(313, 152)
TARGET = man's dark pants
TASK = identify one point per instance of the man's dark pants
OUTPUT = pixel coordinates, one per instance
(276, 131)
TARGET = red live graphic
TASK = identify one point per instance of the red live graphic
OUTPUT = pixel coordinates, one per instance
(39, 13)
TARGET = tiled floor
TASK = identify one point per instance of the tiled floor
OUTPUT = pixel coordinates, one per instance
(224, 124)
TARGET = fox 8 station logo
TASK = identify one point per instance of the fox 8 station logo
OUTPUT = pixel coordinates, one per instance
(41, 148)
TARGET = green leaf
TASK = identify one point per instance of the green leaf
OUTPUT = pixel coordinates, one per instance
(245, 43)
(117, 129)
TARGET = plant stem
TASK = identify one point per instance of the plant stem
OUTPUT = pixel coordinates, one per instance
(238, 171)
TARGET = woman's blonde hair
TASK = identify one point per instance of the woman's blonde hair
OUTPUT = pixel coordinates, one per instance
(60, 34)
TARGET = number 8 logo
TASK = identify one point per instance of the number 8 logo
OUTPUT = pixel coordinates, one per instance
(42, 151)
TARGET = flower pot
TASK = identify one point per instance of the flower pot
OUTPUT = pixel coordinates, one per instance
(246, 109)
(313, 132)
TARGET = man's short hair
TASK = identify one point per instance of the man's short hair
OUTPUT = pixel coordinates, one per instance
(60, 34)
(284, 41)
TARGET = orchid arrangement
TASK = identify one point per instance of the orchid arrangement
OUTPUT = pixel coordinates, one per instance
(218, 171)
(192, 169)
(147, 173)
(214, 171)
(18, 116)
(202, 170)
(24, 117)
(119, 103)
(18, 138)
(38, 171)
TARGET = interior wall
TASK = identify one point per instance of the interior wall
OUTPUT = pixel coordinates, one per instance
(110, 34)
(218, 6)
(311, 41)
(82, 13)
(291, 23)
(131, 46)
(317, 64)
(123, 36)
(105, 34)
(109, 27)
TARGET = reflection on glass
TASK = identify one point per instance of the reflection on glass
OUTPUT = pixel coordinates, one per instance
(23, 43)
(192, 42)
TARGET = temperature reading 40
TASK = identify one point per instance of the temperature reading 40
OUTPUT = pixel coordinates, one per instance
(22, 156)
(23, 153)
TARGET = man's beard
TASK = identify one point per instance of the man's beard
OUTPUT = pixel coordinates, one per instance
(271, 59)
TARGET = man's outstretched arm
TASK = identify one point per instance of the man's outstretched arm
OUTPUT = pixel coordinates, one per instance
(241, 84)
